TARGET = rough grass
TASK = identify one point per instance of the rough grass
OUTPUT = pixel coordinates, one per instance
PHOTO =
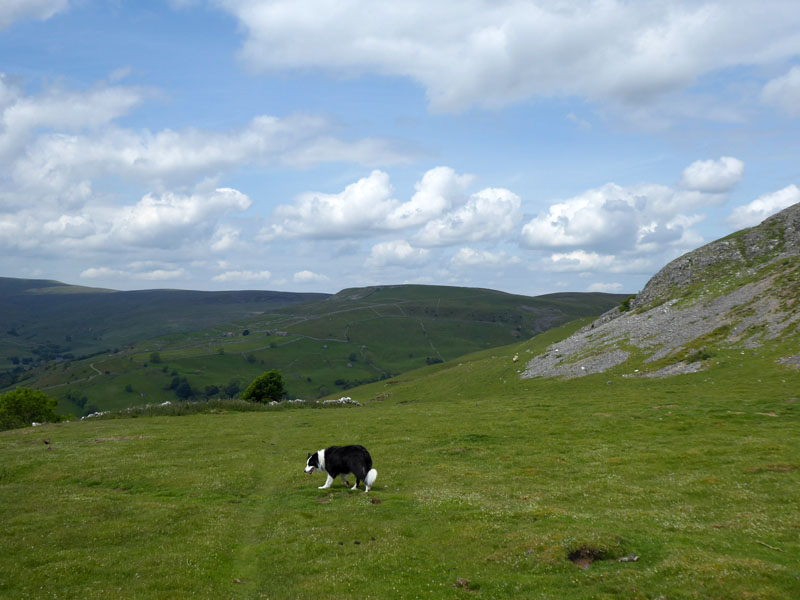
(487, 486)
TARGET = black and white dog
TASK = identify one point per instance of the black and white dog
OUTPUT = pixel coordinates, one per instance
(338, 461)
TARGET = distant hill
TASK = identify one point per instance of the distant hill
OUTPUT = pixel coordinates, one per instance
(47, 320)
(739, 294)
(323, 346)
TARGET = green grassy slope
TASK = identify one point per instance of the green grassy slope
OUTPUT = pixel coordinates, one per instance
(41, 319)
(322, 348)
(487, 484)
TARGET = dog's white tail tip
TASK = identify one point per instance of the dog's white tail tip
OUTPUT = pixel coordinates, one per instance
(371, 477)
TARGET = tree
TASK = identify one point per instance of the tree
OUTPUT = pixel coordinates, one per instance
(265, 388)
(24, 406)
(232, 388)
(155, 358)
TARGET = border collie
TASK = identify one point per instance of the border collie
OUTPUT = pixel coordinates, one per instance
(338, 461)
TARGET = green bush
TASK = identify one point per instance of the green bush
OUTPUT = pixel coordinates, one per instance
(24, 406)
(265, 388)
(625, 306)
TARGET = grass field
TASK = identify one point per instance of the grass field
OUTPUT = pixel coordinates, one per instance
(487, 485)
(321, 348)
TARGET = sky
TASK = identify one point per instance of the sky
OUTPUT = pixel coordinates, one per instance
(527, 146)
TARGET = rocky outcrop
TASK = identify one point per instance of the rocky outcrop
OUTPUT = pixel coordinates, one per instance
(742, 290)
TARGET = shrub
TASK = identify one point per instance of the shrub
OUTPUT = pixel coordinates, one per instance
(698, 356)
(265, 388)
(625, 306)
(24, 406)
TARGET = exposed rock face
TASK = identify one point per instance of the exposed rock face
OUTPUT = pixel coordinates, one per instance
(742, 290)
(777, 236)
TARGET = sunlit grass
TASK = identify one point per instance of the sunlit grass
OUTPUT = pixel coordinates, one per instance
(487, 484)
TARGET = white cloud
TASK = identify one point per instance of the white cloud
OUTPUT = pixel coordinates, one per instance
(583, 261)
(605, 217)
(309, 277)
(763, 207)
(439, 190)
(99, 273)
(784, 92)
(13, 10)
(397, 253)
(57, 109)
(610, 288)
(168, 219)
(170, 157)
(492, 54)
(366, 207)
(225, 238)
(242, 276)
(360, 207)
(713, 176)
(143, 270)
(490, 214)
(469, 257)
(644, 218)
(162, 275)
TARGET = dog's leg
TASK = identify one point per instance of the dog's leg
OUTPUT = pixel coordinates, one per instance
(328, 483)
(355, 487)
(344, 480)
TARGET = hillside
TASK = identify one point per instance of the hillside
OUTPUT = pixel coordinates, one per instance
(489, 487)
(740, 293)
(323, 347)
(43, 320)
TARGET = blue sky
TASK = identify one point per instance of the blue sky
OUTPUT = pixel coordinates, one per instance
(528, 146)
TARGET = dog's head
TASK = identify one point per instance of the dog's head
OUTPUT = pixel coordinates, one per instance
(312, 464)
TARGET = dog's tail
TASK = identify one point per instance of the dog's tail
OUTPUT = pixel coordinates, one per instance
(371, 477)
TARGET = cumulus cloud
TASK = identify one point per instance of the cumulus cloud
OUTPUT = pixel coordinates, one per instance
(143, 270)
(309, 277)
(584, 261)
(360, 206)
(368, 206)
(167, 219)
(225, 238)
(605, 217)
(99, 273)
(162, 274)
(763, 207)
(58, 109)
(492, 54)
(172, 157)
(242, 276)
(713, 176)
(397, 253)
(783, 92)
(438, 191)
(613, 218)
(14, 10)
(469, 257)
(610, 288)
(490, 214)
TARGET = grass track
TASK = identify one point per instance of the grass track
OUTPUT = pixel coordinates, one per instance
(482, 477)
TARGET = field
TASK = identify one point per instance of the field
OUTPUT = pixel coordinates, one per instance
(321, 348)
(488, 487)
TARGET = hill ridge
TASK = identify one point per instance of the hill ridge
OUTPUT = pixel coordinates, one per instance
(741, 290)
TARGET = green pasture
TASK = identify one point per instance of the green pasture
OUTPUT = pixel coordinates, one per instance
(489, 487)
